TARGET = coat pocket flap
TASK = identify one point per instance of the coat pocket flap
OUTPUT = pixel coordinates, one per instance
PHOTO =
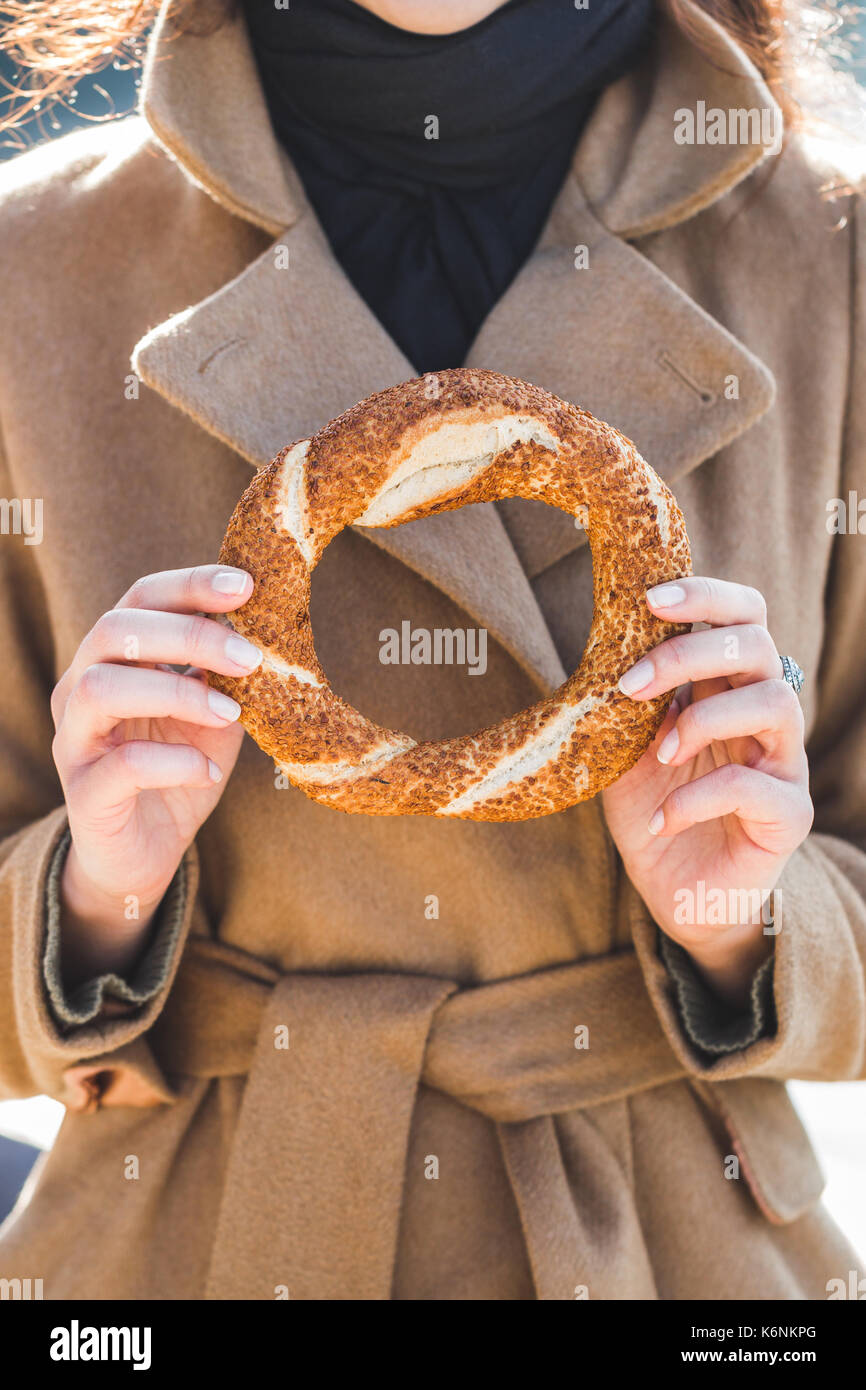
(767, 1135)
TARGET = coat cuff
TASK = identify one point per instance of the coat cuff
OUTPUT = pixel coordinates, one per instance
(714, 1026)
(73, 1008)
(37, 1053)
(818, 974)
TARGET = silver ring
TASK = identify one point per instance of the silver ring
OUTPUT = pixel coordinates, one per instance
(792, 673)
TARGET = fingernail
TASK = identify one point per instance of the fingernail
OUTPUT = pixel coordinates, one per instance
(657, 823)
(229, 582)
(216, 773)
(666, 595)
(223, 705)
(242, 652)
(668, 747)
(638, 677)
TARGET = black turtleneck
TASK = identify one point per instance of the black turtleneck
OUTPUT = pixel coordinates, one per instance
(432, 161)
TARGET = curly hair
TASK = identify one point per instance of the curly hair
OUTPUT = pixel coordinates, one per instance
(55, 46)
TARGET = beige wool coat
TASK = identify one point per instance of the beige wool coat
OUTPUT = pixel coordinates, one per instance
(431, 1131)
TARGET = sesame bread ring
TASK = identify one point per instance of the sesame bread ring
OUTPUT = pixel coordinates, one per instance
(443, 441)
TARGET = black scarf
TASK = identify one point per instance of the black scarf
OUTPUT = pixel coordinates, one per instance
(431, 231)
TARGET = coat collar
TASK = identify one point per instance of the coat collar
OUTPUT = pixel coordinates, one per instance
(629, 178)
(634, 175)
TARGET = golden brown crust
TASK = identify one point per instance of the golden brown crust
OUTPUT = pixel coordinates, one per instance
(443, 441)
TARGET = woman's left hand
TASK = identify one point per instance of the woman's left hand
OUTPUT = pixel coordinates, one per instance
(708, 817)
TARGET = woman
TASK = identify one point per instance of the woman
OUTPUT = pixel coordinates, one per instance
(316, 1056)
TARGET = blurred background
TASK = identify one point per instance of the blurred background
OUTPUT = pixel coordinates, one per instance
(105, 96)
(835, 1115)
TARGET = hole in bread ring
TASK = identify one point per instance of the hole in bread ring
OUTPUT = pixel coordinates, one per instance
(406, 453)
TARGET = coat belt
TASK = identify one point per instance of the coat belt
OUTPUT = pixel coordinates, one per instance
(314, 1183)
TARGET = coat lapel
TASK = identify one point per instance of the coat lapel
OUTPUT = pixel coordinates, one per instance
(277, 353)
(618, 338)
(289, 343)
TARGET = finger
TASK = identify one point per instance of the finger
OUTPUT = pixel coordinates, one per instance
(161, 639)
(739, 654)
(697, 599)
(106, 695)
(667, 724)
(203, 588)
(767, 712)
(777, 815)
(141, 765)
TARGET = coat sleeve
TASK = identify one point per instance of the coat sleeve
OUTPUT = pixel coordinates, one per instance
(36, 1048)
(819, 970)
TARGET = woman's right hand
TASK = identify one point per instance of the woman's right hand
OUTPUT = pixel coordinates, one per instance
(143, 753)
